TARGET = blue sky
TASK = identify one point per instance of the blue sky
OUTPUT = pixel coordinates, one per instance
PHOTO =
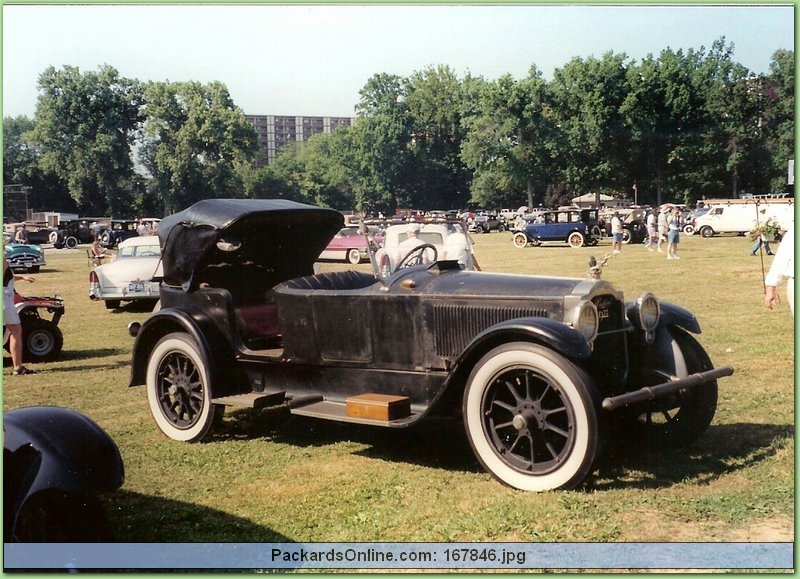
(313, 59)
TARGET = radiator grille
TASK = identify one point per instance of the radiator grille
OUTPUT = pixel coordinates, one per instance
(456, 325)
(609, 361)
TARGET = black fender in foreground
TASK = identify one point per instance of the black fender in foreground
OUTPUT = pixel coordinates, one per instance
(47, 448)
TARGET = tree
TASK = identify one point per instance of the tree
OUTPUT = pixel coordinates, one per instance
(434, 103)
(84, 127)
(195, 137)
(587, 97)
(379, 146)
(510, 140)
(778, 121)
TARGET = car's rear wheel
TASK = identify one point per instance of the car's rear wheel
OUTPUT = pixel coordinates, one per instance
(520, 240)
(531, 418)
(42, 340)
(71, 242)
(353, 256)
(626, 236)
(576, 239)
(178, 389)
(501, 228)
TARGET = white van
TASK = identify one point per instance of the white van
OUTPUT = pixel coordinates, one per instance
(740, 215)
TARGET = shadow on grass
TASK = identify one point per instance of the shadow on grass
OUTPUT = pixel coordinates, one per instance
(438, 442)
(721, 450)
(442, 443)
(138, 518)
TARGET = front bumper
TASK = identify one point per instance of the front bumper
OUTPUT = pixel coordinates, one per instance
(659, 390)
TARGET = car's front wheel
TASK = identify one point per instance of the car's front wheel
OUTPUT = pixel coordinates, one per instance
(178, 389)
(706, 231)
(531, 418)
(679, 419)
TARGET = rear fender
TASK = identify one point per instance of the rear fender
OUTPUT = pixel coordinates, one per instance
(210, 343)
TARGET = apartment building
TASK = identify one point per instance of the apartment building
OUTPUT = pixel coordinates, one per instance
(275, 132)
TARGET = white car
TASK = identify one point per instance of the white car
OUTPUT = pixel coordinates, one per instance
(390, 255)
(133, 275)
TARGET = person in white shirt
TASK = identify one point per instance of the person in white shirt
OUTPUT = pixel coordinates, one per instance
(458, 247)
(652, 231)
(782, 267)
(662, 228)
(616, 233)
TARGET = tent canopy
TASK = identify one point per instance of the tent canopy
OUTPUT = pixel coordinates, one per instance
(592, 197)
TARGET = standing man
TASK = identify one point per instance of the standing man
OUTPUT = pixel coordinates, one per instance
(662, 227)
(652, 230)
(782, 267)
(458, 247)
(616, 233)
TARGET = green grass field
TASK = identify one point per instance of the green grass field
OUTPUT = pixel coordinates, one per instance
(266, 478)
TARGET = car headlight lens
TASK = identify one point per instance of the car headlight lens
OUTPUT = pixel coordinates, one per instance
(647, 312)
(587, 320)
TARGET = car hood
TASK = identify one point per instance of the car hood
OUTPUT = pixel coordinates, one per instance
(281, 235)
(15, 248)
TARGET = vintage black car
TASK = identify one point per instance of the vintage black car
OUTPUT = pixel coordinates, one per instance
(541, 370)
(118, 231)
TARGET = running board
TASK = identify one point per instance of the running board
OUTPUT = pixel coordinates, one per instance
(256, 400)
(338, 411)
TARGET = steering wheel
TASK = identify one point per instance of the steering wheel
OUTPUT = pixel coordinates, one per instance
(417, 256)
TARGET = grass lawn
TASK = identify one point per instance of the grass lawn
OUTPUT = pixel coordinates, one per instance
(266, 478)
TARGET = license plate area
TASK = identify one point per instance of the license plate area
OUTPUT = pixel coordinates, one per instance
(136, 286)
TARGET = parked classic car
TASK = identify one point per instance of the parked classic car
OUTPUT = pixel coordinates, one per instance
(540, 369)
(634, 228)
(433, 234)
(349, 245)
(133, 275)
(71, 233)
(118, 231)
(577, 227)
(485, 222)
(56, 464)
(25, 257)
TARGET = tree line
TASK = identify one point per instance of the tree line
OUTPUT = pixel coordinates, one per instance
(680, 126)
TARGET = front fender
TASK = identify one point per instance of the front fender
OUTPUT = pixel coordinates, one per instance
(552, 333)
(164, 322)
(46, 447)
(672, 315)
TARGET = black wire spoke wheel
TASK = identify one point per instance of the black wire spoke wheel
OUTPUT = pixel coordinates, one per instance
(531, 417)
(178, 389)
(529, 421)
